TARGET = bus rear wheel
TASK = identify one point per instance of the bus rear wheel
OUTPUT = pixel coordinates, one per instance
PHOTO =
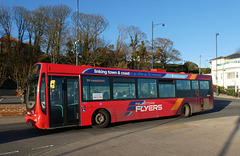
(186, 111)
(101, 119)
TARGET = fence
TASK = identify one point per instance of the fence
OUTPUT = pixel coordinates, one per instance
(12, 110)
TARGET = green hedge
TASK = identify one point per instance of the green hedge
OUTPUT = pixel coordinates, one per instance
(222, 90)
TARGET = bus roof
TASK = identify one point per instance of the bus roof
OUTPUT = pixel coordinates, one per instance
(90, 70)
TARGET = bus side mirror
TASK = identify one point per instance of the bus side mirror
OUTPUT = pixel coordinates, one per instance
(52, 84)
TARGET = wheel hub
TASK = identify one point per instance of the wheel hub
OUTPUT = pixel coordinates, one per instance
(100, 118)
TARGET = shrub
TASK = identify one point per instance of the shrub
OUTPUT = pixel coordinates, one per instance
(222, 90)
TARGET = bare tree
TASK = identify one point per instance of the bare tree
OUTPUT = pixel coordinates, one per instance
(70, 47)
(136, 36)
(165, 51)
(122, 36)
(20, 17)
(55, 25)
(30, 25)
(3, 70)
(38, 26)
(6, 24)
(20, 73)
(5, 29)
(91, 26)
(143, 61)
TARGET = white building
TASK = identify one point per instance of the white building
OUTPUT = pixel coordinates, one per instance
(227, 71)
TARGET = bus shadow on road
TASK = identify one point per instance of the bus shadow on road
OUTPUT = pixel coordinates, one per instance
(29, 132)
(219, 105)
(21, 134)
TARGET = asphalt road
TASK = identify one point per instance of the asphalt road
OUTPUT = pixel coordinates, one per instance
(7, 96)
(214, 132)
(10, 100)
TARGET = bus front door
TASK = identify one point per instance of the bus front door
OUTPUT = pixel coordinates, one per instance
(63, 101)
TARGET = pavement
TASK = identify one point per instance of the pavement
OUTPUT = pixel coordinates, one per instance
(11, 120)
(226, 96)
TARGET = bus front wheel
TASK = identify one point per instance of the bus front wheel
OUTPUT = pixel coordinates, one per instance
(101, 119)
(186, 111)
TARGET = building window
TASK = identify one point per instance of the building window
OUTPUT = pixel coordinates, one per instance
(230, 87)
(3, 44)
(231, 75)
(13, 44)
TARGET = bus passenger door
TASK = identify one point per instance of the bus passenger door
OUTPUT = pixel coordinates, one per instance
(63, 101)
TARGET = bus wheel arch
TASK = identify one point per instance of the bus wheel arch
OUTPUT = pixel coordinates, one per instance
(186, 110)
(101, 118)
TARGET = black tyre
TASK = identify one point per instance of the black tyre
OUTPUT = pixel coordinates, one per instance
(186, 111)
(100, 119)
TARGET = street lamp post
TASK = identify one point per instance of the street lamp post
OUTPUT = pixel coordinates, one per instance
(152, 38)
(216, 67)
(77, 31)
(200, 65)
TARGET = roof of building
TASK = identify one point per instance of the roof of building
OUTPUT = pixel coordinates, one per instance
(12, 39)
(232, 56)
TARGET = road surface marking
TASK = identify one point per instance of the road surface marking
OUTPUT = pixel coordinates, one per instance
(1, 99)
(9, 153)
(41, 147)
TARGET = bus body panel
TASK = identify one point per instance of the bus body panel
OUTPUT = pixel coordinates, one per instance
(141, 109)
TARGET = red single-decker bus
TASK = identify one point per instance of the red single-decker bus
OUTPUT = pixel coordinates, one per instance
(68, 95)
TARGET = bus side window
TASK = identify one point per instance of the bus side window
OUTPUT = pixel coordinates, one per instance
(166, 89)
(124, 88)
(183, 84)
(147, 88)
(183, 89)
(96, 88)
(195, 84)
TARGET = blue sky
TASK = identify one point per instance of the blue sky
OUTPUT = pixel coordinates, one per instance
(190, 24)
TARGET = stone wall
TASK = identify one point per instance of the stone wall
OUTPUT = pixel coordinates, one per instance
(12, 109)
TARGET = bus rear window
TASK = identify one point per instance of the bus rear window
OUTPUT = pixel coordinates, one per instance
(204, 84)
